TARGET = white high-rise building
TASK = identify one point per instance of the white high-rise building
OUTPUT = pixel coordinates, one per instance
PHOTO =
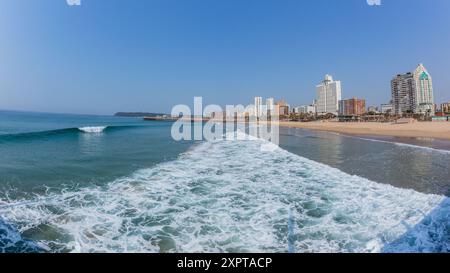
(328, 96)
(413, 92)
(258, 106)
(424, 91)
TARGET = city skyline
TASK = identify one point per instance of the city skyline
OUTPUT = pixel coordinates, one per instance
(411, 92)
(82, 60)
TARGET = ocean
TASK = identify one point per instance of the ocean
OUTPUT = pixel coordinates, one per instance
(71, 183)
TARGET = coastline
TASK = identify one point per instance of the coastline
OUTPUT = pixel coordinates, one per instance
(426, 134)
(432, 130)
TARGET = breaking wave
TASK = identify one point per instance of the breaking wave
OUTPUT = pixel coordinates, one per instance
(97, 129)
(65, 131)
(234, 196)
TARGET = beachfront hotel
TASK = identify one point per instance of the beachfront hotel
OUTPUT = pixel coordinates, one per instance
(413, 92)
(402, 90)
(352, 107)
(424, 90)
(328, 96)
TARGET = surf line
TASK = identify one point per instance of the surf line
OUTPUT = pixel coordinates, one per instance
(46, 201)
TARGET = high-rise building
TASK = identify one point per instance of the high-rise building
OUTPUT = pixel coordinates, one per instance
(413, 92)
(403, 93)
(258, 107)
(328, 96)
(352, 107)
(424, 91)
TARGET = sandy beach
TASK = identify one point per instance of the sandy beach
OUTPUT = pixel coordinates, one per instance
(437, 130)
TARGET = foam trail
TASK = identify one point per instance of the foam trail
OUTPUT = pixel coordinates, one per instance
(233, 196)
(48, 201)
(402, 144)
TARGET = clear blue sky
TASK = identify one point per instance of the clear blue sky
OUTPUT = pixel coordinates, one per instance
(148, 55)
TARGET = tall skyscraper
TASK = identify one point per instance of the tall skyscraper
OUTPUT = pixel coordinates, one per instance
(328, 96)
(424, 91)
(413, 92)
(403, 93)
(258, 106)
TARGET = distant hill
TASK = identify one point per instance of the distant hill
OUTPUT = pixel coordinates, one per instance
(137, 114)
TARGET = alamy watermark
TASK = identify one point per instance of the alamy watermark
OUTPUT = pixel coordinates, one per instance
(374, 2)
(73, 2)
(235, 122)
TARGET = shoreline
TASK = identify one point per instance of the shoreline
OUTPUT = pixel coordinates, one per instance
(428, 130)
(434, 135)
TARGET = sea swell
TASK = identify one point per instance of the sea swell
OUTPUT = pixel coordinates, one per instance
(235, 196)
(60, 132)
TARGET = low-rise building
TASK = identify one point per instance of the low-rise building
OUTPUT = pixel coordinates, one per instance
(372, 109)
(283, 108)
(305, 109)
(445, 107)
(352, 107)
(387, 108)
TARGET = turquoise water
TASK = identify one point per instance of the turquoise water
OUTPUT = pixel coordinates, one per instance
(73, 183)
(42, 152)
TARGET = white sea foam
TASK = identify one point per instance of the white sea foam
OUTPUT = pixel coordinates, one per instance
(93, 129)
(404, 145)
(233, 196)
(12, 241)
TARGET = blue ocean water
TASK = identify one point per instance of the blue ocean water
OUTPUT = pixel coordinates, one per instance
(41, 152)
(106, 184)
